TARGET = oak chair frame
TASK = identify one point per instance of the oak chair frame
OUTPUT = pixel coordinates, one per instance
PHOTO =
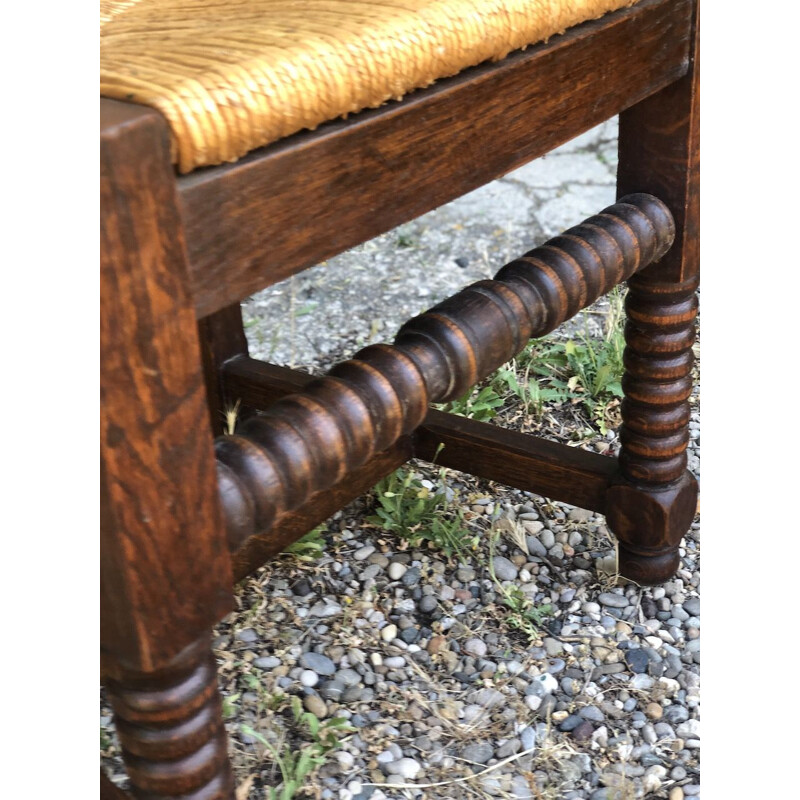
(178, 254)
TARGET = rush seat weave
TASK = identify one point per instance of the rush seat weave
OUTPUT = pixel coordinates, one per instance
(233, 76)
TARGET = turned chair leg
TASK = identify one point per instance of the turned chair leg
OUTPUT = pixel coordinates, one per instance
(165, 575)
(655, 506)
(654, 503)
(170, 727)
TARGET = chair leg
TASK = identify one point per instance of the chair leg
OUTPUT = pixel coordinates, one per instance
(170, 727)
(165, 575)
(653, 505)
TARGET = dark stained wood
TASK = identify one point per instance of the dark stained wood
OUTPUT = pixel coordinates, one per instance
(516, 459)
(159, 498)
(169, 724)
(258, 549)
(659, 153)
(165, 567)
(222, 337)
(109, 790)
(304, 199)
(307, 442)
(523, 461)
(653, 508)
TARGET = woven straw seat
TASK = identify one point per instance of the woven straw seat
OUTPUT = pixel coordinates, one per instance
(236, 75)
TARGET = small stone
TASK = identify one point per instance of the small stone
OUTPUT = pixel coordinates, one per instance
(637, 660)
(478, 752)
(488, 698)
(533, 702)
(411, 577)
(475, 647)
(389, 633)
(676, 793)
(692, 606)
(510, 748)
(301, 588)
(580, 515)
(463, 574)
(613, 600)
(427, 604)
(247, 635)
(553, 647)
(642, 682)
(689, 729)
(333, 690)
(570, 723)
(267, 662)
(370, 572)
(504, 570)
(396, 570)
(349, 677)
(315, 705)
(410, 635)
(317, 662)
(549, 683)
(592, 713)
(363, 552)
(654, 711)
(583, 732)
(309, 678)
(406, 768)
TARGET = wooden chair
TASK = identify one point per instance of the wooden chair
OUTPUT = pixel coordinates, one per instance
(184, 517)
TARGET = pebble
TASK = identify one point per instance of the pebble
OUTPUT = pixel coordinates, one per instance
(315, 705)
(475, 647)
(363, 552)
(504, 570)
(654, 711)
(637, 660)
(488, 698)
(247, 635)
(309, 678)
(317, 662)
(478, 752)
(389, 633)
(689, 729)
(267, 662)
(613, 600)
(396, 570)
(692, 606)
(406, 768)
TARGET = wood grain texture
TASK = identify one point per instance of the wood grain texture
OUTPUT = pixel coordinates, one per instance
(310, 441)
(516, 459)
(659, 153)
(169, 724)
(293, 204)
(258, 549)
(653, 507)
(159, 493)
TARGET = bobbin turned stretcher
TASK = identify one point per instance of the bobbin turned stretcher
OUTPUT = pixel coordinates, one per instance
(183, 516)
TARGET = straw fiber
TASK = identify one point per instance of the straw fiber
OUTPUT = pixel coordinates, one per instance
(234, 75)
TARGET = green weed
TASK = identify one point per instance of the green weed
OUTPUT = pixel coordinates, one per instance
(521, 612)
(309, 547)
(587, 370)
(295, 762)
(480, 404)
(416, 513)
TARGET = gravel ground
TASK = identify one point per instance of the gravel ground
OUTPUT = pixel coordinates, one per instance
(418, 651)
